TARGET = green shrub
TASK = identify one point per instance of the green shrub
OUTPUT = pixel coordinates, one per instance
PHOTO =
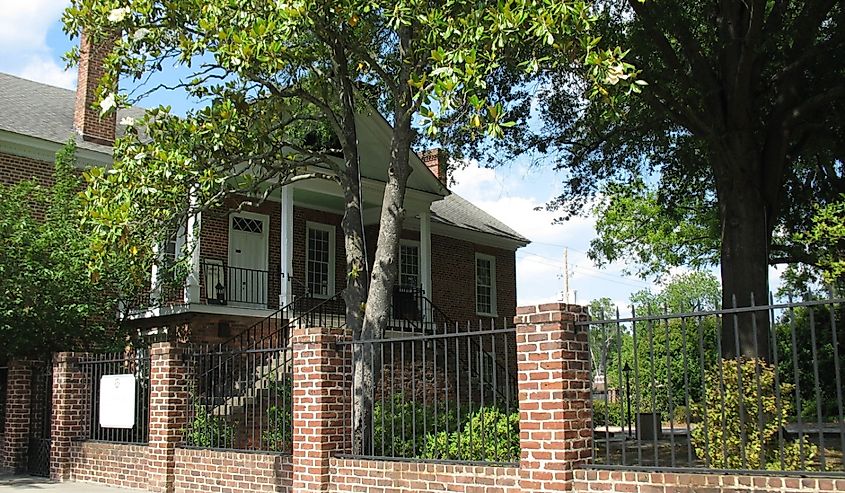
(679, 414)
(400, 425)
(608, 413)
(488, 435)
(279, 434)
(209, 431)
(721, 443)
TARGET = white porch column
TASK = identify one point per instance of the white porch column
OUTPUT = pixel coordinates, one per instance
(192, 241)
(155, 288)
(286, 253)
(425, 252)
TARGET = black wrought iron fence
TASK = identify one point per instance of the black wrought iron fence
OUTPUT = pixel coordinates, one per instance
(107, 371)
(436, 396)
(240, 399)
(669, 390)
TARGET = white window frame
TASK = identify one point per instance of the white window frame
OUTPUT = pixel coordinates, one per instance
(416, 244)
(178, 241)
(309, 225)
(493, 309)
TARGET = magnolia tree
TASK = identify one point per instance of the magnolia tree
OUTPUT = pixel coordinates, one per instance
(278, 87)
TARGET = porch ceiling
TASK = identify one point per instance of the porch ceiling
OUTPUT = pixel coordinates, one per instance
(326, 201)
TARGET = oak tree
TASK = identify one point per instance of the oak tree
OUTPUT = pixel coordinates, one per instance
(737, 134)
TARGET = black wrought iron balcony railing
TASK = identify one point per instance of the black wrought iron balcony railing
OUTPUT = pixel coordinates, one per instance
(223, 284)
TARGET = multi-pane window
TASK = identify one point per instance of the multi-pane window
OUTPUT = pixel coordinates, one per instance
(409, 265)
(485, 284)
(171, 251)
(172, 247)
(319, 257)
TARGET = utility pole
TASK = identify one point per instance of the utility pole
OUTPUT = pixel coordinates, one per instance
(566, 275)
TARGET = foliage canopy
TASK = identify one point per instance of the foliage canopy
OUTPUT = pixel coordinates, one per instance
(49, 301)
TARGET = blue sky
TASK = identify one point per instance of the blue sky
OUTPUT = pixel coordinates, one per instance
(32, 44)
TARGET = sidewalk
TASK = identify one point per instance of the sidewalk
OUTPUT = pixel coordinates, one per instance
(26, 484)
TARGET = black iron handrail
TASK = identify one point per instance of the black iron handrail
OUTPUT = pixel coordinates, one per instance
(309, 310)
(224, 279)
(263, 327)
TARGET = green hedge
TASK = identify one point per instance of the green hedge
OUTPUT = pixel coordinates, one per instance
(404, 428)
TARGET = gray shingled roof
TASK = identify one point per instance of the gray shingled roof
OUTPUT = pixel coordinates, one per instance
(455, 210)
(44, 111)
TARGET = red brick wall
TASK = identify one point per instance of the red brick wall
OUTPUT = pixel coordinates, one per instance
(396, 477)
(554, 396)
(14, 169)
(214, 242)
(169, 400)
(16, 433)
(70, 412)
(209, 470)
(321, 398)
(453, 261)
(453, 275)
(86, 118)
(654, 482)
(109, 463)
(453, 278)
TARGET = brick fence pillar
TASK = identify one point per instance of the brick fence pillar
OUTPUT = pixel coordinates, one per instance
(70, 412)
(16, 430)
(554, 396)
(169, 402)
(320, 405)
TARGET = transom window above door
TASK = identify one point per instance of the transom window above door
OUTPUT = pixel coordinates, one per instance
(320, 259)
(247, 224)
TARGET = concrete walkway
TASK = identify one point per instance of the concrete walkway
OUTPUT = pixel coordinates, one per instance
(25, 484)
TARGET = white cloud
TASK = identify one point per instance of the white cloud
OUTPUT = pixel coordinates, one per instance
(513, 197)
(24, 50)
(24, 24)
(49, 72)
(487, 188)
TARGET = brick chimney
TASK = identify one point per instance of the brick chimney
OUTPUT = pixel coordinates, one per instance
(436, 161)
(86, 117)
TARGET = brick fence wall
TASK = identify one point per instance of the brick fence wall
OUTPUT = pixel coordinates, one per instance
(108, 463)
(210, 470)
(370, 476)
(666, 482)
(555, 425)
(16, 430)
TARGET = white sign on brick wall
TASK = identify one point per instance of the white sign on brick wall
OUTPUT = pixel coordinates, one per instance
(117, 401)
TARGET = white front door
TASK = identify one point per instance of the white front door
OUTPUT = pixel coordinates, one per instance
(247, 272)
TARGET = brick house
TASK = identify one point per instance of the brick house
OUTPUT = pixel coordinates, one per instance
(247, 263)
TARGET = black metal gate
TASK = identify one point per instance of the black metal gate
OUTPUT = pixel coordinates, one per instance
(40, 410)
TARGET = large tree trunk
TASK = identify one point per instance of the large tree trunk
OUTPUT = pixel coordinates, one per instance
(364, 359)
(384, 268)
(744, 258)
